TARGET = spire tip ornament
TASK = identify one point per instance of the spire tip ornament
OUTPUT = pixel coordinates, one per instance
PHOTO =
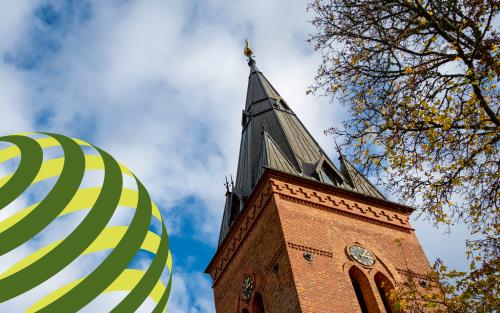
(341, 156)
(248, 52)
(226, 184)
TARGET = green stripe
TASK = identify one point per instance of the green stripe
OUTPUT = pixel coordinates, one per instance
(97, 281)
(29, 166)
(160, 307)
(55, 202)
(142, 290)
(76, 243)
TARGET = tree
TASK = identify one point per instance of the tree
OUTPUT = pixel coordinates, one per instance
(419, 78)
(447, 290)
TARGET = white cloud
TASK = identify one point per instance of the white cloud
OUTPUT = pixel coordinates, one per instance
(13, 20)
(161, 85)
(14, 114)
(155, 84)
(189, 294)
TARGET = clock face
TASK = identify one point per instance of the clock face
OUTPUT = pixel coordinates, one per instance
(361, 255)
(247, 288)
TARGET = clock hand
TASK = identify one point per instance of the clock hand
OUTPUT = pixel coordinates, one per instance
(366, 256)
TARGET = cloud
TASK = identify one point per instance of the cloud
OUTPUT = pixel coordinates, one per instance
(166, 80)
(147, 99)
(189, 294)
(16, 115)
(160, 85)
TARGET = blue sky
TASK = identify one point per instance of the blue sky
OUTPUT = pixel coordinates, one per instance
(161, 85)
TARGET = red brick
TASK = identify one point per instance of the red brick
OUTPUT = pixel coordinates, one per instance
(287, 216)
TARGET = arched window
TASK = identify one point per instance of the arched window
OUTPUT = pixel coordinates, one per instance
(364, 294)
(258, 304)
(384, 287)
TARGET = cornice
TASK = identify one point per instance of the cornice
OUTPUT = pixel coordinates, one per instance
(338, 191)
(330, 203)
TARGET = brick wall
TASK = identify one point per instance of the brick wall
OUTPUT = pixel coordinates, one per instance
(257, 255)
(287, 217)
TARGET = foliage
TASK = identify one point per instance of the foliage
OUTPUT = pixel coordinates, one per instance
(447, 290)
(420, 80)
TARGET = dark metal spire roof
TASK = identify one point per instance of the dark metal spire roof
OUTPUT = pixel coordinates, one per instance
(274, 137)
(357, 180)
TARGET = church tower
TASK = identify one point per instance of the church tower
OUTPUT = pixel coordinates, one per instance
(298, 234)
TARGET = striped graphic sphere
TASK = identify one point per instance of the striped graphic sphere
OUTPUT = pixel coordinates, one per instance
(23, 227)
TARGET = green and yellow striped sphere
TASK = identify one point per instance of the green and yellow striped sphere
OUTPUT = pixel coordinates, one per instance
(22, 226)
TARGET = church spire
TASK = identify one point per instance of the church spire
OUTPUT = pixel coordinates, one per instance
(274, 137)
(295, 227)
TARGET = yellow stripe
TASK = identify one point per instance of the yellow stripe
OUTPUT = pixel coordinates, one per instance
(53, 167)
(25, 134)
(169, 261)
(13, 151)
(156, 212)
(9, 153)
(83, 199)
(46, 142)
(129, 279)
(126, 281)
(107, 239)
(50, 168)
(9, 222)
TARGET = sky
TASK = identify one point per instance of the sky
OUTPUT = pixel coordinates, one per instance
(161, 85)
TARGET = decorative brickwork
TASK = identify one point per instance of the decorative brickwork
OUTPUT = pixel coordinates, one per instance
(310, 250)
(337, 205)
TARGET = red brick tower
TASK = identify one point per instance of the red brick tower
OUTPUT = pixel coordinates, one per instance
(299, 235)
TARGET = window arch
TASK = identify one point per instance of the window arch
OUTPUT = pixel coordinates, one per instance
(361, 285)
(258, 304)
(384, 287)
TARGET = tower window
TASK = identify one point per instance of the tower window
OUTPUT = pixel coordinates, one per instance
(328, 175)
(258, 304)
(384, 287)
(362, 289)
(359, 295)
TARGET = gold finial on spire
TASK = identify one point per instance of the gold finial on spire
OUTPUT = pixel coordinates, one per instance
(247, 50)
